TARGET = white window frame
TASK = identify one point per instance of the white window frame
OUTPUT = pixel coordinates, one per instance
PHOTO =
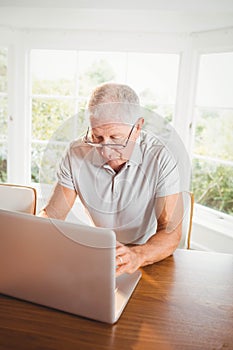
(217, 41)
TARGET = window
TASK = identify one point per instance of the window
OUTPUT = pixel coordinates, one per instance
(213, 147)
(53, 100)
(3, 115)
(154, 77)
(61, 84)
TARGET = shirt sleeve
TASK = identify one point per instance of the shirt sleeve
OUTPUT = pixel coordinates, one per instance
(168, 175)
(64, 172)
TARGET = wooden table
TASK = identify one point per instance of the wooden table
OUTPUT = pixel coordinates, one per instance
(183, 302)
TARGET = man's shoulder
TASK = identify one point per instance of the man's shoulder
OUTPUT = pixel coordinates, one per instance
(153, 150)
(149, 142)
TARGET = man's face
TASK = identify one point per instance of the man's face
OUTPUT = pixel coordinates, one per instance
(112, 133)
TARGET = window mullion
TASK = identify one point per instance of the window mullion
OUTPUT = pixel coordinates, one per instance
(19, 123)
(186, 89)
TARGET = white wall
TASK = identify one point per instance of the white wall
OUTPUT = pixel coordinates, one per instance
(142, 16)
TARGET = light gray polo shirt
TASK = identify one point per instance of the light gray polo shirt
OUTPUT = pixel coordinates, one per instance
(123, 201)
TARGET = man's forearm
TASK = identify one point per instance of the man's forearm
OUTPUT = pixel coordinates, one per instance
(158, 247)
(59, 204)
(51, 212)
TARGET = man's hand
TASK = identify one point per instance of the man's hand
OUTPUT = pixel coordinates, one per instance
(128, 259)
(159, 246)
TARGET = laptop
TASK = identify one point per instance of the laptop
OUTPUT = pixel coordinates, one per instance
(62, 265)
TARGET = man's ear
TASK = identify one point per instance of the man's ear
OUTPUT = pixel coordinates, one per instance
(139, 124)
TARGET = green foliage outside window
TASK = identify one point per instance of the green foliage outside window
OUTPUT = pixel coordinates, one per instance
(212, 185)
(214, 132)
(3, 70)
(63, 87)
(48, 115)
(212, 180)
(3, 168)
(99, 72)
(3, 117)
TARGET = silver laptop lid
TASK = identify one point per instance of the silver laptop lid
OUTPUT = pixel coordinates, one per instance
(58, 264)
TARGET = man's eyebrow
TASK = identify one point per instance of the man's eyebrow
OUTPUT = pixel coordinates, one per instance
(113, 134)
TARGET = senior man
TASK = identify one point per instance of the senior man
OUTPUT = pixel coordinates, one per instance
(126, 179)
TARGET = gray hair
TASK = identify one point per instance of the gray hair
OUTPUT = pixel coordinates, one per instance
(112, 92)
(112, 102)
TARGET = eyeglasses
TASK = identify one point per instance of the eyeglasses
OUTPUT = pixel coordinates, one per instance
(88, 140)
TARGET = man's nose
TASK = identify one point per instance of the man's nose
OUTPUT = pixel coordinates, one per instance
(107, 152)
